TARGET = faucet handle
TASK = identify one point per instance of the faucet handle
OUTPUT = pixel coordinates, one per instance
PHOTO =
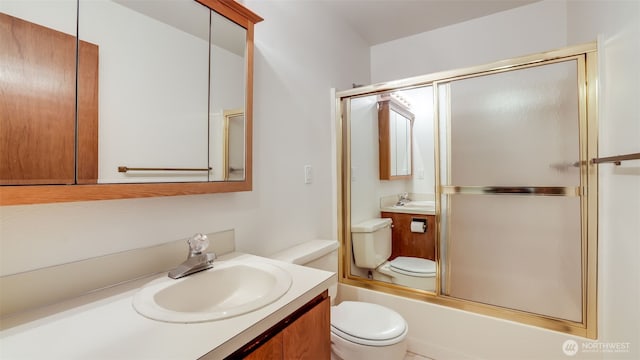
(198, 243)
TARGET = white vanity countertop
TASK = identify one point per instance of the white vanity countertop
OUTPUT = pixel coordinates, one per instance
(408, 210)
(421, 204)
(104, 324)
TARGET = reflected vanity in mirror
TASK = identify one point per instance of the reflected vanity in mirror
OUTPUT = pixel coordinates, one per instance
(393, 222)
(154, 94)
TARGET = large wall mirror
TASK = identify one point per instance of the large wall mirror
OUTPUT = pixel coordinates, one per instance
(141, 101)
(498, 215)
(392, 213)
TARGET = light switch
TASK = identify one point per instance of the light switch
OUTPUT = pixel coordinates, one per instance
(308, 174)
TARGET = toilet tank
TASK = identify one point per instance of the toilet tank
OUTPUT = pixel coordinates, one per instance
(371, 241)
(317, 254)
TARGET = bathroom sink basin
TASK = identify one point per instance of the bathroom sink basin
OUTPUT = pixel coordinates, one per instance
(421, 204)
(229, 289)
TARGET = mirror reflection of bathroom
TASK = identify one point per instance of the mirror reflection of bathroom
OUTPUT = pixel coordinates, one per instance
(234, 149)
(392, 189)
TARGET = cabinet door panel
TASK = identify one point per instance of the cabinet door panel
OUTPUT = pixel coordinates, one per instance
(407, 243)
(37, 105)
(271, 350)
(309, 336)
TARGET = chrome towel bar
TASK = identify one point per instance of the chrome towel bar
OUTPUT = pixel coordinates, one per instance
(124, 169)
(512, 190)
(616, 159)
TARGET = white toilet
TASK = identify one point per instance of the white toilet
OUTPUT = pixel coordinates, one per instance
(371, 250)
(359, 330)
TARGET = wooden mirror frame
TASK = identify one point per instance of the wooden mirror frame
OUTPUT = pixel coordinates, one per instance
(42, 194)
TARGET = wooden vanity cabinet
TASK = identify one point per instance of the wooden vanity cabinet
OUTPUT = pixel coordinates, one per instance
(305, 334)
(272, 349)
(407, 243)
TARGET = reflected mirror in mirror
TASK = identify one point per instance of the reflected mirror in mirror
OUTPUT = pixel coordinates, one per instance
(395, 126)
(234, 149)
(393, 222)
(227, 100)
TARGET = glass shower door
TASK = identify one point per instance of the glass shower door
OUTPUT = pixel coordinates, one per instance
(511, 180)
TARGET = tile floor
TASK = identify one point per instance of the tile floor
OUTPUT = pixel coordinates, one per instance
(412, 356)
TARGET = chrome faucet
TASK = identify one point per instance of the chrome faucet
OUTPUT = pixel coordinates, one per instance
(197, 260)
(403, 199)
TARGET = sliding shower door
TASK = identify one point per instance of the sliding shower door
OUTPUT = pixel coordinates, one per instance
(512, 172)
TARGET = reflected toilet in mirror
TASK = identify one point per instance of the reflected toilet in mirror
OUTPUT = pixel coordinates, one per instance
(372, 248)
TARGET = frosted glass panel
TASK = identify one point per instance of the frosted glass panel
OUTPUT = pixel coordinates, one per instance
(516, 252)
(514, 128)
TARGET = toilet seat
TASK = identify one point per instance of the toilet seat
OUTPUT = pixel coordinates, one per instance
(367, 324)
(413, 266)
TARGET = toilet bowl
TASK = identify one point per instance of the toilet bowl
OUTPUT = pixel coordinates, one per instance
(364, 331)
(413, 272)
(372, 247)
(359, 330)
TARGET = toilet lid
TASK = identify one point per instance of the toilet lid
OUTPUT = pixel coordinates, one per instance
(413, 266)
(367, 324)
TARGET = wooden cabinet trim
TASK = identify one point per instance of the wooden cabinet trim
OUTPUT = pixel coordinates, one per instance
(255, 344)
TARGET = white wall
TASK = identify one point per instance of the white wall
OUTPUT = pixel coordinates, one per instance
(529, 29)
(447, 333)
(301, 52)
(617, 26)
(300, 55)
